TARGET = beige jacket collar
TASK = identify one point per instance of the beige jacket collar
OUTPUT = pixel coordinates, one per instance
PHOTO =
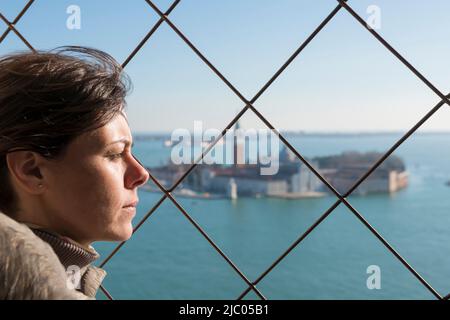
(70, 254)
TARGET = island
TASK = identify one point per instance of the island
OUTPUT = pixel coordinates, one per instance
(294, 180)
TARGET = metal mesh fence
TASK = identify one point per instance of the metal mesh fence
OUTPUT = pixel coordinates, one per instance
(248, 106)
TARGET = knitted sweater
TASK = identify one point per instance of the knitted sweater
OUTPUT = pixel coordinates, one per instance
(38, 264)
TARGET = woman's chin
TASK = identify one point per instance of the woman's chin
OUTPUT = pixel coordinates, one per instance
(126, 234)
(123, 234)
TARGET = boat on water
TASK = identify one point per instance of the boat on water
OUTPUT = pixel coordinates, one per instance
(186, 193)
(168, 143)
(447, 183)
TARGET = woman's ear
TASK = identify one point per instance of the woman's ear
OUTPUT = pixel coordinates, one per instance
(25, 168)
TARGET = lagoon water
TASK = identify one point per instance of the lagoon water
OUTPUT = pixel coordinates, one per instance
(167, 258)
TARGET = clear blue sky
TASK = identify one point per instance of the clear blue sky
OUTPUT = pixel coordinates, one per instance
(344, 81)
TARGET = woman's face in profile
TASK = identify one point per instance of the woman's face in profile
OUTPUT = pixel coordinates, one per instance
(89, 188)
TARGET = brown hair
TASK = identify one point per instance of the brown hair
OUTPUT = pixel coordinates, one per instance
(47, 98)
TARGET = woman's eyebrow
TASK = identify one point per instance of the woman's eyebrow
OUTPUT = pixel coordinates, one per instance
(122, 140)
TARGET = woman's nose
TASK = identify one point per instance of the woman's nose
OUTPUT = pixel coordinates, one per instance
(139, 175)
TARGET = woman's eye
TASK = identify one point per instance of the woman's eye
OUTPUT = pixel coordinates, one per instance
(115, 156)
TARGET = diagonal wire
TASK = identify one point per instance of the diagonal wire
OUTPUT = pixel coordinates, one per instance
(150, 33)
(276, 75)
(297, 52)
(231, 87)
(249, 105)
(161, 200)
(211, 242)
(341, 199)
(291, 247)
(242, 98)
(199, 54)
(392, 250)
(228, 83)
(353, 210)
(355, 185)
(16, 20)
(394, 52)
(196, 225)
(124, 64)
(107, 294)
(11, 27)
(135, 229)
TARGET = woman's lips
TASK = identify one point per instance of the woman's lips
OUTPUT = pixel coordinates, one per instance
(130, 209)
(131, 204)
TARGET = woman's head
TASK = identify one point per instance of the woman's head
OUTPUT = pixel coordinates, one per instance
(61, 167)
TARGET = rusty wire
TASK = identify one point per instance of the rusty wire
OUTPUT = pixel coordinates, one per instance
(248, 105)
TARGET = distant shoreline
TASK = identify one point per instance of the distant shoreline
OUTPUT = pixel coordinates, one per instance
(166, 135)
